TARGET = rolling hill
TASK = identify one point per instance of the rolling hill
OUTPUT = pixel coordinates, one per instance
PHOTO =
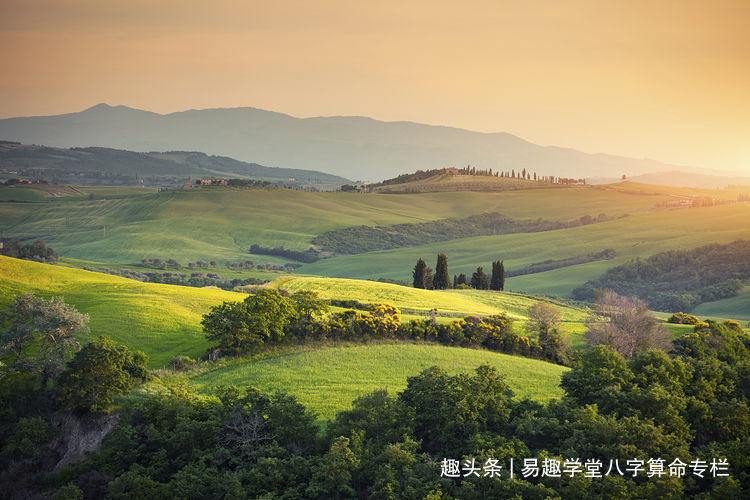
(222, 223)
(349, 146)
(161, 320)
(164, 321)
(328, 379)
(106, 166)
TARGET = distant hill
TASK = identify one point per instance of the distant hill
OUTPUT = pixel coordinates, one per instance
(98, 166)
(467, 179)
(349, 146)
(678, 178)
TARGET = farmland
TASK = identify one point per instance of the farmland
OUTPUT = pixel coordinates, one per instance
(222, 223)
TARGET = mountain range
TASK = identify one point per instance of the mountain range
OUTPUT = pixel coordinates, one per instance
(349, 146)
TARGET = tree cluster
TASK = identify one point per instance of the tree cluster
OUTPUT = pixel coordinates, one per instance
(678, 280)
(37, 251)
(309, 255)
(626, 325)
(361, 239)
(247, 444)
(195, 279)
(268, 318)
(548, 265)
(423, 277)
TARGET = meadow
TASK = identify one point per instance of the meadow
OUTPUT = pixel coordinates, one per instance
(327, 380)
(476, 302)
(161, 320)
(222, 223)
(737, 308)
(639, 235)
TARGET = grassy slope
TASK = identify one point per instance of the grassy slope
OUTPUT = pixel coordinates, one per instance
(737, 308)
(221, 223)
(21, 194)
(636, 236)
(451, 301)
(162, 320)
(464, 301)
(328, 380)
(220, 270)
(444, 182)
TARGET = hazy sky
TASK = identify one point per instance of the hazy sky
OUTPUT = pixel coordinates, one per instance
(668, 80)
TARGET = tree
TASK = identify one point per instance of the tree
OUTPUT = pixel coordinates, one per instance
(429, 279)
(497, 282)
(442, 280)
(241, 326)
(461, 279)
(41, 333)
(626, 325)
(543, 317)
(480, 280)
(544, 320)
(419, 274)
(308, 303)
(98, 372)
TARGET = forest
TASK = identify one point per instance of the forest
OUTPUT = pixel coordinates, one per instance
(652, 425)
(678, 280)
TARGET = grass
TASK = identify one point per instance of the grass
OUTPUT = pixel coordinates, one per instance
(328, 380)
(639, 235)
(222, 223)
(737, 308)
(454, 301)
(21, 194)
(220, 270)
(465, 302)
(161, 320)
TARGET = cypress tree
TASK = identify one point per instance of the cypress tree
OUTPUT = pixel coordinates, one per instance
(419, 274)
(502, 275)
(494, 285)
(442, 278)
(480, 280)
(497, 282)
(428, 279)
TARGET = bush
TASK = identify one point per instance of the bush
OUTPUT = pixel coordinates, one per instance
(98, 372)
(181, 363)
(680, 318)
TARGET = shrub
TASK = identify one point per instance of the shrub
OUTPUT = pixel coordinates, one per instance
(181, 363)
(680, 318)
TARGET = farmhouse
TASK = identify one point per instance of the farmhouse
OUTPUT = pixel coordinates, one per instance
(212, 181)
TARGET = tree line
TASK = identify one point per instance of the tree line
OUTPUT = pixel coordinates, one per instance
(689, 406)
(360, 239)
(424, 278)
(270, 318)
(677, 280)
(37, 251)
(521, 174)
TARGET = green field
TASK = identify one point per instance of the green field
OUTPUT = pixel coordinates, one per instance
(222, 223)
(328, 380)
(21, 194)
(737, 308)
(454, 301)
(164, 320)
(639, 235)
(161, 320)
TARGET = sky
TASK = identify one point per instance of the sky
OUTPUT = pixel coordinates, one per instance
(662, 79)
